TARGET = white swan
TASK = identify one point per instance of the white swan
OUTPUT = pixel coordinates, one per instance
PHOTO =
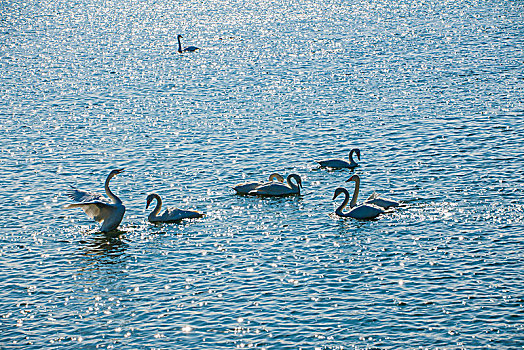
(339, 163)
(99, 208)
(280, 189)
(360, 212)
(170, 214)
(374, 198)
(187, 49)
(246, 187)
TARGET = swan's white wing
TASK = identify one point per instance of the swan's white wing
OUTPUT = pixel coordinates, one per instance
(273, 189)
(85, 197)
(191, 49)
(99, 211)
(382, 202)
(246, 187)
(334, 163)
(175, 214)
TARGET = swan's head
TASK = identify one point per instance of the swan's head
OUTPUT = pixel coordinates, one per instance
(149, 199)
(338, 191)
(355, 178)
(178, 36)
(115, 172)
(356, 151)
(276, 176)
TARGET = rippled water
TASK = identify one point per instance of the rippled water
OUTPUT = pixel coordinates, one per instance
(431, 92)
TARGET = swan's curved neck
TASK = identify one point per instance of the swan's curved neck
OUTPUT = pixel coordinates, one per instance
(339, 210)
(351, 160)
(179, 45)
(291, 183)
(155, 211)
(110, 194)
(355, 193)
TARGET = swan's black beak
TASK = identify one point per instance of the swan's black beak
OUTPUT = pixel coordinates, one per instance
(147, 204)
(118, 171)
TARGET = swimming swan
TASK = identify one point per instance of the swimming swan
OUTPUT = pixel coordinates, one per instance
(339, 163)
(187, 49)
(170, 214)
(246, 187)
(279, 189)
(99, 208)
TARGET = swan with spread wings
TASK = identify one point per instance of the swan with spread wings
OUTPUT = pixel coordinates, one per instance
(96, 206)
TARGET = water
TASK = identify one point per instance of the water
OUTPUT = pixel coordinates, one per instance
(431, 92)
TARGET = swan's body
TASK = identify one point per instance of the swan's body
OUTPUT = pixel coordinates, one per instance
(280, 189)
(360, 212)
(187, 49)
(170, 214)
(339, 163)
(246, 187)
(385, 203)
(96, 206)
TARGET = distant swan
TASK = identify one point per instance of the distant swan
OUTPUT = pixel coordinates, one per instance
(97, 207)
(246, 187)
(187, 49)
(374, 198)
(280, 189)
(171, 214)
(339, 163)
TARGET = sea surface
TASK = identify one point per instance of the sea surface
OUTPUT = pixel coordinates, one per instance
(432, 92)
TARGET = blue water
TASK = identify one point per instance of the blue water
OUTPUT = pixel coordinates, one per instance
(431, 92)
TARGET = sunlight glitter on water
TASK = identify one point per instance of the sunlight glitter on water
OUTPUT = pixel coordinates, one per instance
(435, 107)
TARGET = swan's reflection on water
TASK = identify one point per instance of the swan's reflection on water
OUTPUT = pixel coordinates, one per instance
(105, 249)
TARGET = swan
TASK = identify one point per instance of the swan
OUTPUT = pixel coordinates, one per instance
(279, 189)
(360, 212)
(99, 208)
(170, 214)
(374, 199)
(246, 187)
(187, 49)
(339, 163)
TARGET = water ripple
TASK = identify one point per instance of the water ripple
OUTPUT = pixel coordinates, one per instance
(431, 92)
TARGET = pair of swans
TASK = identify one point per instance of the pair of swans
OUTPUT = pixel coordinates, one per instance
(272, 188)
(187, 49)
(339, 163)
(370, 209)
(110, 212)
